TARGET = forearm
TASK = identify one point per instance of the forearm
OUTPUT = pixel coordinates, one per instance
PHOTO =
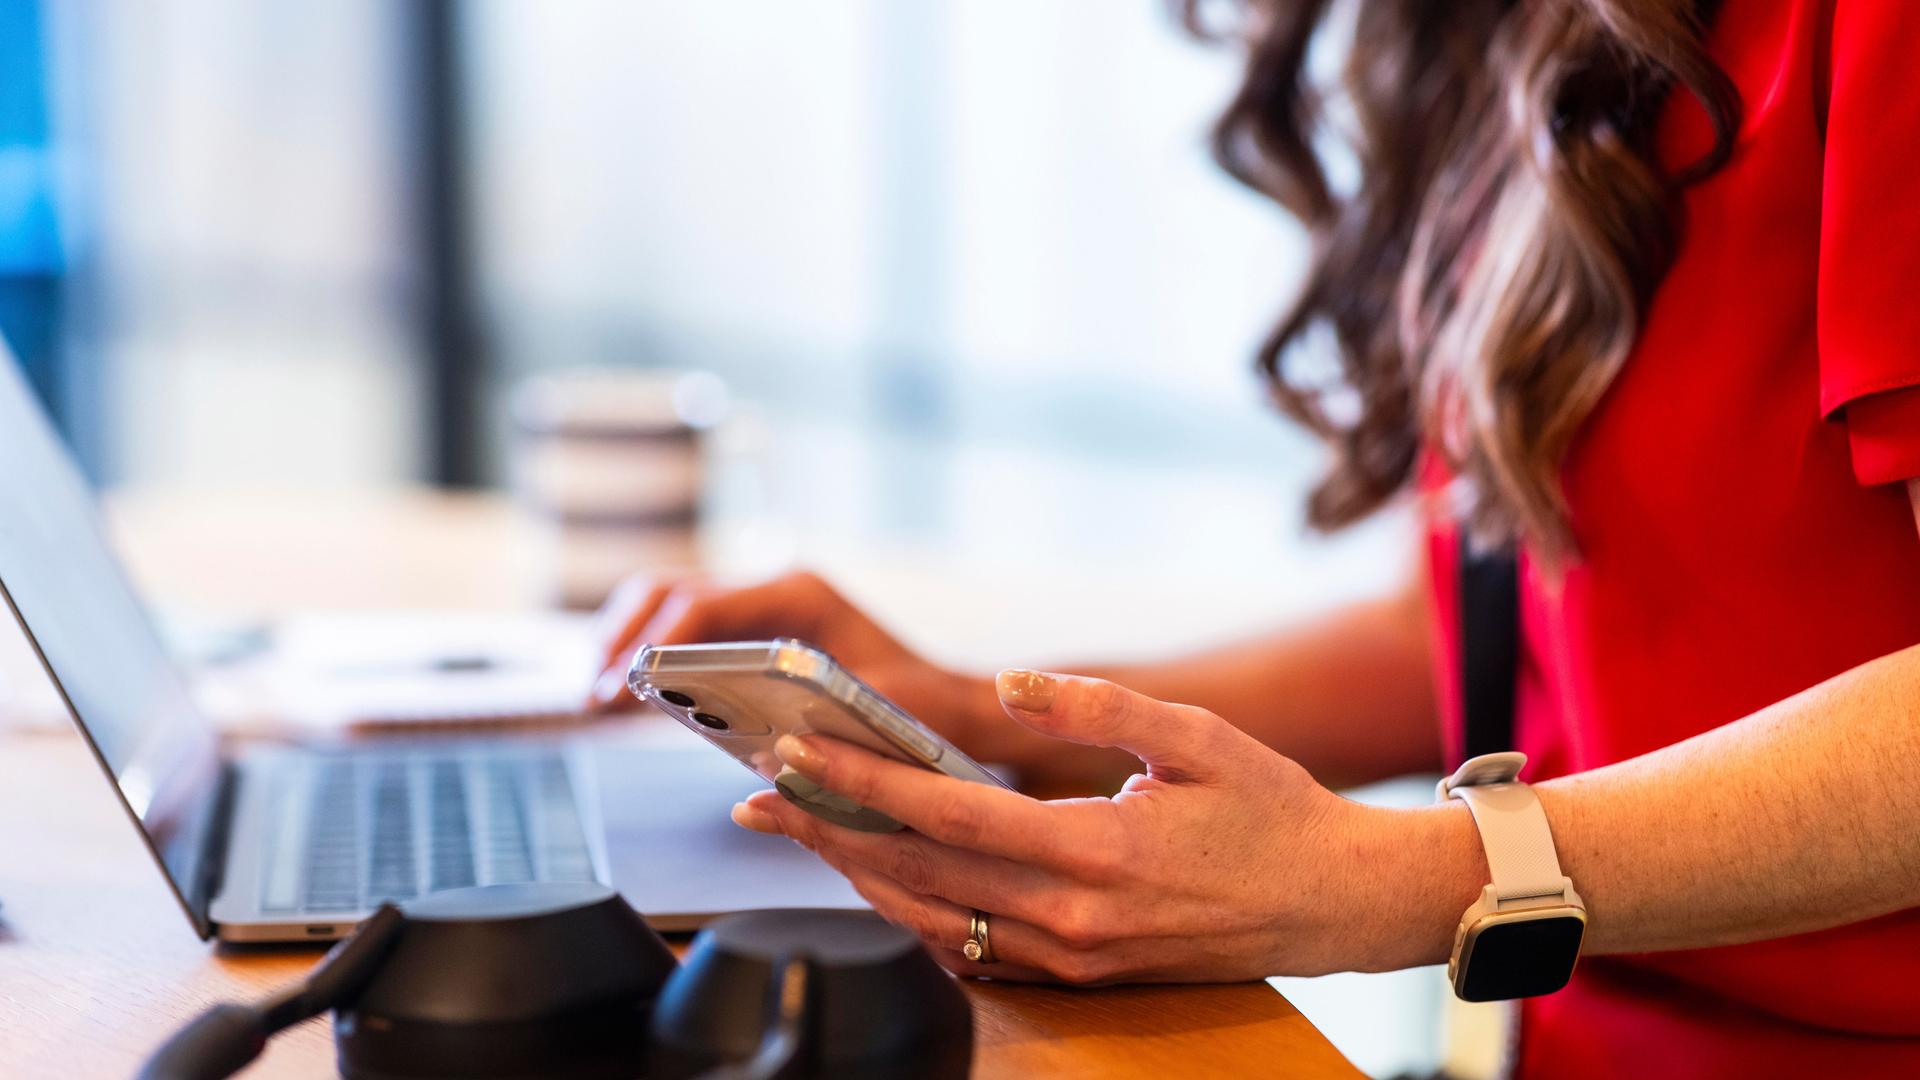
(1349, 695)
(1797, 818)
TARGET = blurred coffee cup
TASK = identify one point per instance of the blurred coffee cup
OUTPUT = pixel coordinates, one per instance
(611, 468)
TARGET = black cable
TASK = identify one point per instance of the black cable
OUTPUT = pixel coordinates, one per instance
(222, 1040)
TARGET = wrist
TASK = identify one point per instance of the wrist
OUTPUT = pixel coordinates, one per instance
(1420, 868)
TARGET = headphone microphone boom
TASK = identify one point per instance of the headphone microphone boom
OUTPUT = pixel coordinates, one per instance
(562, 980)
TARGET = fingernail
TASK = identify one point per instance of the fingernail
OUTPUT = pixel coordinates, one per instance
(1025, 689)
(609, 686)
(807, 759)
(756, 819)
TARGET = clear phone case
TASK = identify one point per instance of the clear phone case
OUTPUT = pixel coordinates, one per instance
(742, 696)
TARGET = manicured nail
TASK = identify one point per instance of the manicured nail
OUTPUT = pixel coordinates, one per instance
(1029, 690)
(756, 819)
(806, 758)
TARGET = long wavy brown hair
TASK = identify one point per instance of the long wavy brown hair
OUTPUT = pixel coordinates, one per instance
(1485, 276)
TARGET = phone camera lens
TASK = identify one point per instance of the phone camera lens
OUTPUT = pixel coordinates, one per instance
(707, 719)
(675, 697)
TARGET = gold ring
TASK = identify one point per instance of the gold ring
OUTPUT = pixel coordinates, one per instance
(979, 946)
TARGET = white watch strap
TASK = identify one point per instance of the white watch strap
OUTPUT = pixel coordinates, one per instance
(1513, 830)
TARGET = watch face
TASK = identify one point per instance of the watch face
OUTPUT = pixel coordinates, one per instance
(1522, 955)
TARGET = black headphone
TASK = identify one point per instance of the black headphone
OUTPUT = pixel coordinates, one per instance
(568, 981)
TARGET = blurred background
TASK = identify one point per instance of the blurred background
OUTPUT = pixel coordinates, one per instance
(950, 258)
(948, 300)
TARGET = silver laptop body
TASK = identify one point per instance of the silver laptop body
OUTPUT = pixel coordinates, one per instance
(283, 843)
(319, 838)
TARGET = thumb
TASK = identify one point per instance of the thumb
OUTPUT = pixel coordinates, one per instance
(1173, 740)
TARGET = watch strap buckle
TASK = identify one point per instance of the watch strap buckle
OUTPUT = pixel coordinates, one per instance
(1500, 768)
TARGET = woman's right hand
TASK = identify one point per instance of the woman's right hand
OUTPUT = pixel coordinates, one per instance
(965, 709)
(686, 611)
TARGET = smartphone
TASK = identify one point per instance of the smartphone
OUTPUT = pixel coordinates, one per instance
(741, 696)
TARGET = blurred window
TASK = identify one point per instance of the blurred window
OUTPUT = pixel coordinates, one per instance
(31, 260)
(943, 252)
(836, 199)
(246, 294)
(966, 246)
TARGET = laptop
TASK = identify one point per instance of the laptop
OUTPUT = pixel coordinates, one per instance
(288, 842)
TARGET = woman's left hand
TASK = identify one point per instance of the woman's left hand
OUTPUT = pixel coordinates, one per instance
(1224, 861)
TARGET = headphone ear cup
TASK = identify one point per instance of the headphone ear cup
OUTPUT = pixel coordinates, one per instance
(876, 1005)
(551, 980)
(562, 981)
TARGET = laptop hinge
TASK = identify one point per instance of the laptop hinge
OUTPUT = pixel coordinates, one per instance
(213, 847)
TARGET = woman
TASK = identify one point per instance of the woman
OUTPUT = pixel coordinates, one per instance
(1624, 283)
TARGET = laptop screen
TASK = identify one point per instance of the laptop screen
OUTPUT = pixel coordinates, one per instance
(74, 601)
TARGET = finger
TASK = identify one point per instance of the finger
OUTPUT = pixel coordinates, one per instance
(610, 693)
(1021, 951)
(791, 605)
(695, 611)
(917, 864)
(610, 689)
(1108, 948)
(757, 818)
(633, 604)
(1003, 971)
(1041, 949)
(692, 612)
(959, 813)
(629, 608)
(1173, 740)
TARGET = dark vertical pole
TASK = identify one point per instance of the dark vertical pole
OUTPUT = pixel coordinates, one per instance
(455, 361)
(1489, 646)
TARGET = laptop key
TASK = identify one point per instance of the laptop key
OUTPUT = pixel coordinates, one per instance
(333, 847)
(450, 841)
(390, 869)
(508, 857)
(563, 845)
(379, 829)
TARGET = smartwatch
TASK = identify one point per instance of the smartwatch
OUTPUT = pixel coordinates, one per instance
(1522, 937)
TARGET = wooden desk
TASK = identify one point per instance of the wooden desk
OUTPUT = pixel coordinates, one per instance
(97, 965)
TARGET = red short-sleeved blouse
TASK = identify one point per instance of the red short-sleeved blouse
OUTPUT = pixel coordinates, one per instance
(1743, 531)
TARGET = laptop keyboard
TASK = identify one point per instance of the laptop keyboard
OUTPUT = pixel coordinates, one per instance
(358, 830)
